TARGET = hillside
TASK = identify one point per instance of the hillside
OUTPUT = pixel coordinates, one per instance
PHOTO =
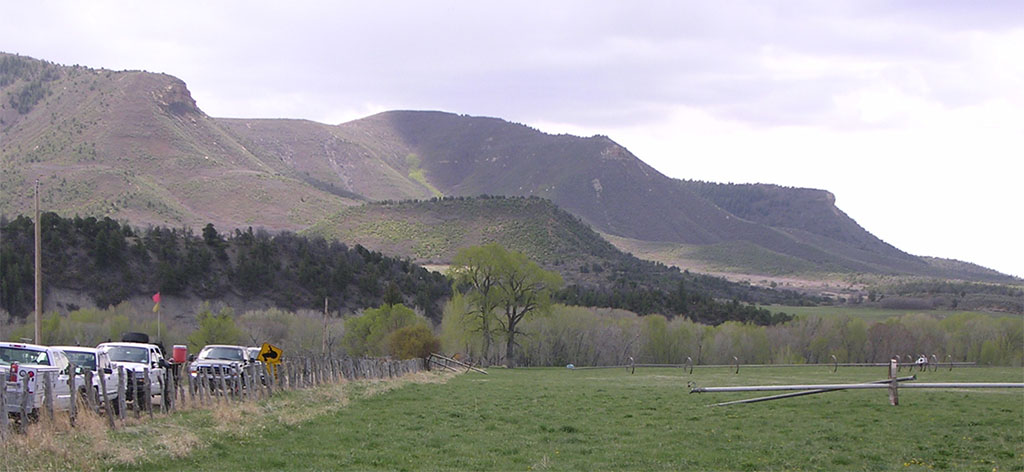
(135, 147)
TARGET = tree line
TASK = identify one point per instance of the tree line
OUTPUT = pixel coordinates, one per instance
(604, 337)
(111, 262)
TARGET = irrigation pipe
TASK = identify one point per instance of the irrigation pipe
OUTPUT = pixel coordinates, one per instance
(777, 388)
(808, 392)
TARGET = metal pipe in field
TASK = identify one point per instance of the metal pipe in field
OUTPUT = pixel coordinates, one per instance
(776, 388)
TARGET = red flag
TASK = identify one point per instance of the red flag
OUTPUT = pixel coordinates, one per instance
(156, 297)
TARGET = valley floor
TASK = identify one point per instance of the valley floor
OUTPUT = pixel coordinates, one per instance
(560, 419)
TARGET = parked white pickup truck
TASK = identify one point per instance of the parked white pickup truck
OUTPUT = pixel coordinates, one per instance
(19, 361)
(136, 357)
(99, 363)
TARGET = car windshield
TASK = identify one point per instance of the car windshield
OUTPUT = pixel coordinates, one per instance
(85, 360)
(128, 354)
(222, 353)
(9, 355)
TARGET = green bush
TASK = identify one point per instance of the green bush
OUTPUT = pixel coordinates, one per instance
(413, 341)
(215, 328)
(367, 335)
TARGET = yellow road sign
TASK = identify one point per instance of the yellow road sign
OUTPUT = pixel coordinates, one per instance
(270, 354)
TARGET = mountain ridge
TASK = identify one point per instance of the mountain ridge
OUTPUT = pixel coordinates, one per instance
(134, 146)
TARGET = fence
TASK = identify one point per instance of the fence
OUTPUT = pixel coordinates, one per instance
(688, 365)
(178, 388)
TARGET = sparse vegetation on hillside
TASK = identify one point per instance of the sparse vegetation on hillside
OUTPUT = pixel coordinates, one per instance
(35, 76)
(596, 272)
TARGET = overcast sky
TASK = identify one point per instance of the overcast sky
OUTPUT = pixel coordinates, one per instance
(911, 113)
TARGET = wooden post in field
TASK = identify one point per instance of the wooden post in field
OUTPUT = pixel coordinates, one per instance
(171, 390)
(222, 384)
(243, 379)
(737, 360)
(4, 422)
(72, 399)
(47, 395)
(270, 373)
(136, 393)
(307, 373)
(107, 407)
(187, 375)
(121, 404)
(147, 393)
(24, 404)
(216, 389)
(202, 388)
(894, 367)
(257, 383)
(90, 393)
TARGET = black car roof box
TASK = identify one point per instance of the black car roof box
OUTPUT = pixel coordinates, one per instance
(135, 338)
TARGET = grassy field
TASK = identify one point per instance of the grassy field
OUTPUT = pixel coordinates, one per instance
(867, 313)
(557, 419)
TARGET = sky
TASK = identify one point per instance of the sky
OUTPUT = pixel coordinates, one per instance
(910, 112)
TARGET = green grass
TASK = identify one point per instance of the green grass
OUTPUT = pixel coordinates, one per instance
(534, 419)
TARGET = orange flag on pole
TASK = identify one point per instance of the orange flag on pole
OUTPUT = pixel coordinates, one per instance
(156, 300)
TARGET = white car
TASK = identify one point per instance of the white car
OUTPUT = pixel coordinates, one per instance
(19, 361)
(99, 363)
(136, 357)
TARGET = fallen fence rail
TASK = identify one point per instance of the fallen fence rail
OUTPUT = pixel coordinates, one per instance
(444, 362)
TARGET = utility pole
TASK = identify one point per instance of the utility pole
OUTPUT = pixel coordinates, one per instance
(39, 270)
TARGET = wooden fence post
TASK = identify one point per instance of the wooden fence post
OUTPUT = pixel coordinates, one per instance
(47, 395)
(894, 367)
(90, 393)
(269, 372)
(246, 378)
(222, 380)
(171, 391)
(107, 407)
(307, 373)
(203, 388)
(24, 404)
(72, 399)
(137, 392)
(148, 391)
(4, 421)
(121, 403)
